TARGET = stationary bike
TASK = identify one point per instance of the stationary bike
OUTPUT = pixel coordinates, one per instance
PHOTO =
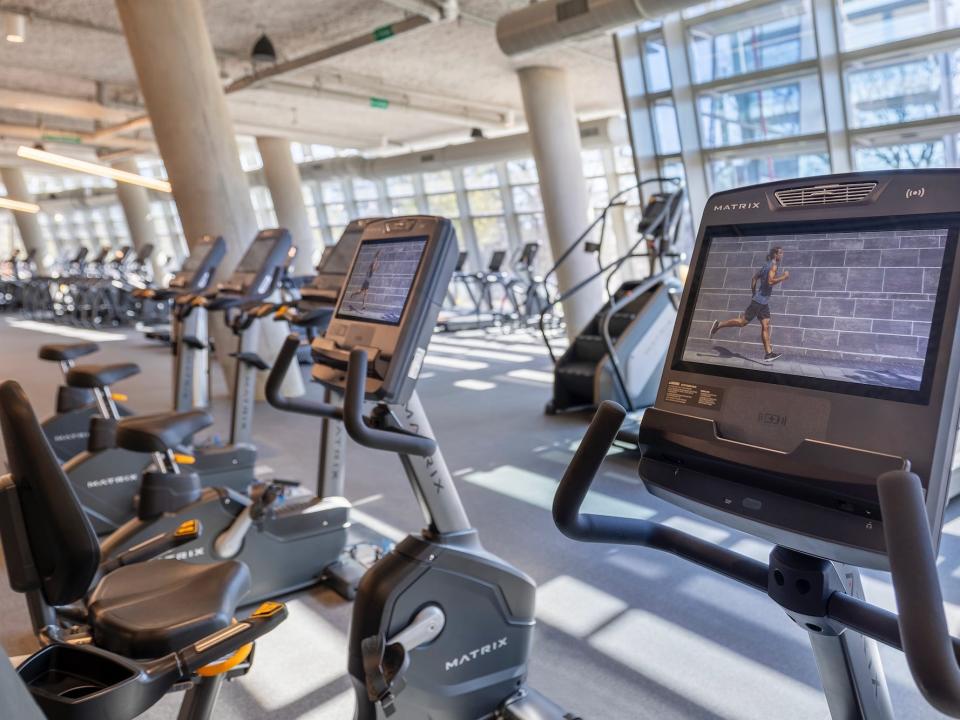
(106, 477)
(289, 537)
(441, 627)
(68, 429)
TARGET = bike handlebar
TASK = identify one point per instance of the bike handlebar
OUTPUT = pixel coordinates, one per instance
(389, 440)
(920, 629)
(278, 372)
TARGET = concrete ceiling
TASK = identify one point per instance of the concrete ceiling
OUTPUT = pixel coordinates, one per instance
(74, 47)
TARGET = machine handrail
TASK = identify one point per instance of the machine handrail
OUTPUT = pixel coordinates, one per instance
(389, 440)
(274, 384)
(924, 633)
(920, 629)
(612, 267)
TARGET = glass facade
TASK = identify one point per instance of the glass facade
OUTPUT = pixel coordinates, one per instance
(730, 93)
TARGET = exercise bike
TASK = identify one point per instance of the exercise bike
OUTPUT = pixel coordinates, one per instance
(441, 627)
(68, 429)
(106, 476)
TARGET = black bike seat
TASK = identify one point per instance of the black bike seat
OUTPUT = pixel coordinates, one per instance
(149, 609)
(98, 376)
(62, 352)
(160, 432)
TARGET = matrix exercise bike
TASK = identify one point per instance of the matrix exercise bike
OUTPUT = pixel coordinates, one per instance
(106, 477)
(441, 627)
(68, 429)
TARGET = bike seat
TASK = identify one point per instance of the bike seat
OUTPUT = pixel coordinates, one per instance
(160, 432)
(63, 352)
(98, 376)
(149, 609)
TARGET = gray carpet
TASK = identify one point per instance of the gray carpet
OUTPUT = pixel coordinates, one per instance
(623, 632)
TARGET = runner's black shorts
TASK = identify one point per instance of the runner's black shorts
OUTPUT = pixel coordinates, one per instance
(756, 310)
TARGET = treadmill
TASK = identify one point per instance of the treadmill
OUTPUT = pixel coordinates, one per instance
(839, 451)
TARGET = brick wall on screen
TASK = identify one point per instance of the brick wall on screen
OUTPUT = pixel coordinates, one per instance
(864, 297)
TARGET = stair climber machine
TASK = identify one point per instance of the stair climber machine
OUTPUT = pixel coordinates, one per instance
(840, 456)
(441, 627)
(106, 476)
(68, 429)
(619, 354)
(290, 538)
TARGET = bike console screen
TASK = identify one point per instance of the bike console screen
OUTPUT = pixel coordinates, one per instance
(379, 284)
(842, 307)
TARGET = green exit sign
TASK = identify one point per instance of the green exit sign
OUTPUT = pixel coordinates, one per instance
(379, 103)
(58, 138)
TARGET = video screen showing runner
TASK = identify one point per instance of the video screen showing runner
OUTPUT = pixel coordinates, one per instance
(379, 284)
(852, 307)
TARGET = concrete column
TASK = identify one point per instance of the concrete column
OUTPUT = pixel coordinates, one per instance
(175, 64)
(136, 210)
(27, 223)
(283, 181)
(555, 138)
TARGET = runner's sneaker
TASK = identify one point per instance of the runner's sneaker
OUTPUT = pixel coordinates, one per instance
(714, 328)
(771, 356)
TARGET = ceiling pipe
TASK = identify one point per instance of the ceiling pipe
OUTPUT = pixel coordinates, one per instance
(60, 106)
(380, 34)
(131, 125)
(71, 137)
(551, 22)
(604, 132)
(390, 101)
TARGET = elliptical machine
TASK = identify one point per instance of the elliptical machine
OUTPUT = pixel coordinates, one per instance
(811, 453)
(441, 627)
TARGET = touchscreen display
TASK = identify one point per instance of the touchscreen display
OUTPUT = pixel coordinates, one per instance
(847, 307)
(196, 257)
(336, 261)
(255, 256)
(380, 280)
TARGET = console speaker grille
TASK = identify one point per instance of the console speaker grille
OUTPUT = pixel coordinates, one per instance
(825, 194)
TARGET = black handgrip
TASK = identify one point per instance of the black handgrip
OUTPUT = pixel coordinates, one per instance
(227, 641)
(275, 382)
(924, 633)
(581, 473)
(576, 484)
(388, 440)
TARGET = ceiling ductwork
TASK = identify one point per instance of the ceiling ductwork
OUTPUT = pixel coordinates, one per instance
(551, 22)
(604, 132)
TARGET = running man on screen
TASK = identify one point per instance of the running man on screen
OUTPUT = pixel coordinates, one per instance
(761, 285)
(365, 288)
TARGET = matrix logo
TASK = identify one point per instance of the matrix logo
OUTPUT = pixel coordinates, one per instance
(184, 554)
(766, 418)
(71, 436)
(115, 480)
(737, 206)
(469, 657)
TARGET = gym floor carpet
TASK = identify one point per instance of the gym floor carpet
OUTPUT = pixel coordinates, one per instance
(622, 633)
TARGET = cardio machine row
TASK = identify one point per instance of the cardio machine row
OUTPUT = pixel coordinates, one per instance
(437, 598)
